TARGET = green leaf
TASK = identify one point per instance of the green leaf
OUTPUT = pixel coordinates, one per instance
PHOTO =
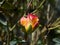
(7, 6)
(30, 29)
(57, 30)
(13, 42)
(11, 1)
(4, 23)
(52, 2)
(3, 20)
(57, 40)
(0, 0)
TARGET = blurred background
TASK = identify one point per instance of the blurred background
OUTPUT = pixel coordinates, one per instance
(48, 31)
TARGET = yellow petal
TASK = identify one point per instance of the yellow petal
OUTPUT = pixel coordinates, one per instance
(34, 22)
(23, 21)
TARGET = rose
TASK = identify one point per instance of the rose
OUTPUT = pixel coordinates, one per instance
(29, 20)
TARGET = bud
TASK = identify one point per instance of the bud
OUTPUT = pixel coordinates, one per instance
(30, 21)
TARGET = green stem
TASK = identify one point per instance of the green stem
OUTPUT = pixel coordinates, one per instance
(26, 39)
(26, 36)
(8, 38)
(39, 6)
(54, 27)
(7, 34)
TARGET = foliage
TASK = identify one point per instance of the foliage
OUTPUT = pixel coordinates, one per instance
(48, 30)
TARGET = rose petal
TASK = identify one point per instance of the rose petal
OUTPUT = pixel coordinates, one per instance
(30, 20)
(25, 22)
(34, 19)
